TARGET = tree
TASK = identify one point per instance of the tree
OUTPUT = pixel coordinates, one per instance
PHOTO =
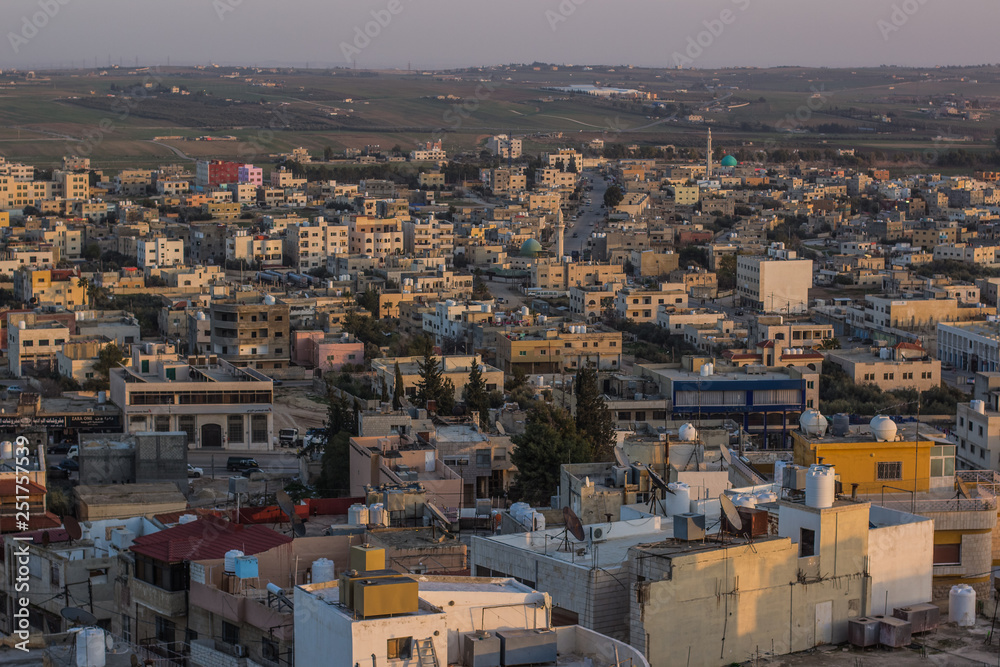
(593, 418)
(550, 439)
(108, 358)
(397, 389)
(327, 153)
(446, 397)
(613, 196)
(431, 380)
(84, 284)
(476, 396)
(725, 272)
(91, 252)
(341, 424)
(830, 344)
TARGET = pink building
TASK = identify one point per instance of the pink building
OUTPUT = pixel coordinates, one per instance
(317, 349)
(248, 173)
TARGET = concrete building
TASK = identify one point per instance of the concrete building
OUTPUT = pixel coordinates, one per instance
(772, 284)
(642, 305)
(159, 252)
(216, 404)
(50, 287)
(969, 346)
(308, 245)
(428, 238)
(554, 350)
(32, 348)
(454, 367)
(903, 366)
(405, 462)
(505, 147)
(251, 330)
(317, 349)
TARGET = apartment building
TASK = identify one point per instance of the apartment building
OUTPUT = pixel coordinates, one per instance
(309, 244)
(251, 331)
(642, 304)
(428, 238)
(50, 287)
(559, 275)
(506, 147)
(209, 173)
(592, 302)
(555, 350)
(217, 404)
(244, 247)
(159, 253)
(454, 367)
(451, 320)
(772, 284)
(32, 348)
(969, 346)
(375, 237)
(904, 366)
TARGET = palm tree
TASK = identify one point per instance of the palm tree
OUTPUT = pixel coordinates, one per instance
(84, 283)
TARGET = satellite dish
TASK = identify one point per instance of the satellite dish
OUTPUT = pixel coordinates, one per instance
(288, 507)
(729, 510)
(109, 641)
(574, 525)
(78, 616)
(727, 456)
(500, 428)
(658, 482)
(620, 456)
(72, 527)
(963, 488)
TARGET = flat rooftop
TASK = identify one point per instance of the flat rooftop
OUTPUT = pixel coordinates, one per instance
(905, 432)
(986, 329)
(678, 375)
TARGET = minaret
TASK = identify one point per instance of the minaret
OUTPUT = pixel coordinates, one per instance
(560, 237)
(708, 163)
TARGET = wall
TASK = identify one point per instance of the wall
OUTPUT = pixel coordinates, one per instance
(901, 575)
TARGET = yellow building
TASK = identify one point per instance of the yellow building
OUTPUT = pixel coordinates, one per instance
(552, 350)
(898, 465)
(60, 287)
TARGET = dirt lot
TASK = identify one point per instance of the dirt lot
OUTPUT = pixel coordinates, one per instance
(298, 407)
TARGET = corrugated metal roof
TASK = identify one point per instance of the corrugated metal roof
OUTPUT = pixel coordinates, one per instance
(209, 537)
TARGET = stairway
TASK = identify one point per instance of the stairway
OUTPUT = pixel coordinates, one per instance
(426, 653)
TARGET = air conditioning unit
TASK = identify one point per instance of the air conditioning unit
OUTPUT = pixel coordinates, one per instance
(596, 534)
(240, 650)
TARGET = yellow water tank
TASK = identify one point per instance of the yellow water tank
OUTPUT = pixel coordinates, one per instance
(366, 558)
(385, 597)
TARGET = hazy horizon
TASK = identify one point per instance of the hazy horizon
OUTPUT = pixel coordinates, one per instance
(438, 34)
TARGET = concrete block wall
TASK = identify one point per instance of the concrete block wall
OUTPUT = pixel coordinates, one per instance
(204, 654)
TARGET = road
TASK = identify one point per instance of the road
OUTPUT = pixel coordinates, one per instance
(588, 217)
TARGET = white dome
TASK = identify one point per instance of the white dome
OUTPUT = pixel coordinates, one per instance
(688, 433)
(813, 423)
(883, 428)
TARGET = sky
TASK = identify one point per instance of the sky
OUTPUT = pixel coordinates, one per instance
(425, 34)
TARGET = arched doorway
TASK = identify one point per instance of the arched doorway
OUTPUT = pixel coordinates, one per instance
(211, 435)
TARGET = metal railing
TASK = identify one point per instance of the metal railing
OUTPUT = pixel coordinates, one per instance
(983, 486)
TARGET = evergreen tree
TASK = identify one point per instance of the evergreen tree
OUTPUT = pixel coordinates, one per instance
(335, 472)
(593, 418)
(446, 397)
(550, 439)
(431, 380)
(476, 396)
(397, 389)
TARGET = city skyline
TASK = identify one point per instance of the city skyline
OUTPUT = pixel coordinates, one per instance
(392, 34)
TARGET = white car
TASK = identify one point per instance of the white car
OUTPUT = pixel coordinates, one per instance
(195, 472)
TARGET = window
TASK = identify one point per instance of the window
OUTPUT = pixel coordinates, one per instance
(810, 384)
(482, 457)
(54, 575)
(400, 648)
(161, 423)
(186, 423)
(235, 428)
(807, 542)
(230, 633)
(164, 630)
(889, 470)
(948, 554)
(640, 416)
(258, 428)
(126, 627)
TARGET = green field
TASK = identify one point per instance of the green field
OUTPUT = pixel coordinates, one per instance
(110, 116)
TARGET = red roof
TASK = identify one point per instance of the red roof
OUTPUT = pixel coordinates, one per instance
(8, 487)
(38, 523)
(908, 346)
(766, 343)
(209, 537)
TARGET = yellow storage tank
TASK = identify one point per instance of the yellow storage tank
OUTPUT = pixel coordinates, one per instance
(385, 597)
(366, 558)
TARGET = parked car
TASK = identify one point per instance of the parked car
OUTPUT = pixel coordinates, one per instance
(195, 472)
(61, 447)
(14, 389)
(64, 468)
(73, 452)
(239, 463)
(253, 472)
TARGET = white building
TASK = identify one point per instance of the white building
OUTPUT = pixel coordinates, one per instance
(969, 346)
(773, 284)
(504, 146)
(448, 320)
(159, 253)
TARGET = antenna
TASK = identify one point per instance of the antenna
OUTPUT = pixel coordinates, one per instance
(78, 616)
(286, 505)
(72, 527)
(574, 526)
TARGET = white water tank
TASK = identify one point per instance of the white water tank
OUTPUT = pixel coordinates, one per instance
(22, 325)
(884, 353)
(102, 397)
(187, 518)
(90, 648)
(962, 605)
(766, 497)
(883, 428)
(688, 433)
(376, 515)
(268, 300)
(6, 449)
(537, 520)
(199, 315)
(745, 500)
(525, 311)
(357, 515)
(680, 501)
(322, 570)
(978, 406)
(707, 369)
(813, 423)
(230, 562)
(820, 486)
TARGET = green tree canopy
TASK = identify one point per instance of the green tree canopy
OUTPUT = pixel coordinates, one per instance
(593, 418)
(613, 196)
(550, 439)
(477, 397)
